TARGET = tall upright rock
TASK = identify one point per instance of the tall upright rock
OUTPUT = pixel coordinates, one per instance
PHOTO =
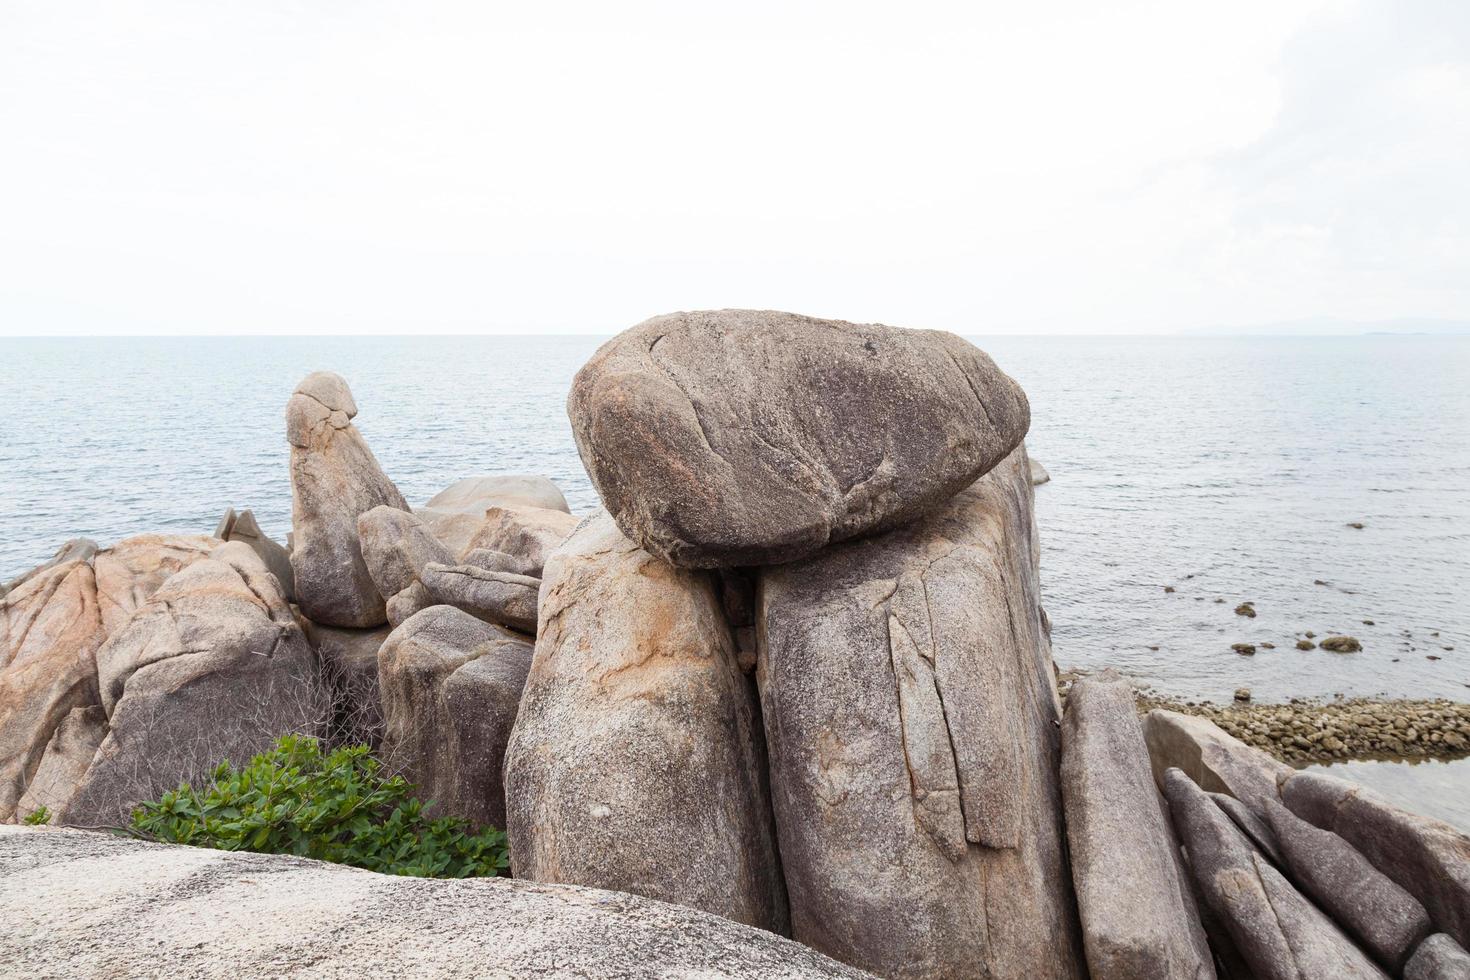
(334, 479)
(749, 437)
(635, 763)
(1138, 912)
(912, 725)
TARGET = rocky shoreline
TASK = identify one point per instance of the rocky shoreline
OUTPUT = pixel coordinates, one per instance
(1302, 732)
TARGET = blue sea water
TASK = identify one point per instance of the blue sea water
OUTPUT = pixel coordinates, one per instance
(1226, 467)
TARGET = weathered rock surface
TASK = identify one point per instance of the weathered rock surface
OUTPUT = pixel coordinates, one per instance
(349, 661)
(1279, 933)
(51, 625)
(500, 561)
(214, 666)
(77, 549)
(1254, 828)
(244, 527)
(85, 904)
(1387, 921)
(529, 533)
(1136, 904)
(476, 494)
(749, 437)
(65, 761)
(496, 597)
(1215, 761)
(1438, 958)
(1427, 858)
(635, 763)
(334, 479)
(1039, 475)
(450, 686)
(396, 547)
(912, 726)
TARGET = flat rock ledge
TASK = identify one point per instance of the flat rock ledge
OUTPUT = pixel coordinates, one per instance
(74, 903)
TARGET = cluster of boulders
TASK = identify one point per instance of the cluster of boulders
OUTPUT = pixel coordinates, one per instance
(795, 674)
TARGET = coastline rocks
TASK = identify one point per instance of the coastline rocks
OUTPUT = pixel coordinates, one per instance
(86, 904)
(1254, 828)
(77, 549)
(244, 527)
(1341, 644)
(747, 437)
(635, 763)
(1279, 934)
(1039, 475)
(396, 547)
(476, 494)
(1387, 920)
(529, 533)
(214, 666)
(1136, 904)
(51, 625)
(65, 762)
(912, 728)
(1438, 958)
(1214, 760)
(450, 686)
(496, 597)
(1427, 858)
(334, 479)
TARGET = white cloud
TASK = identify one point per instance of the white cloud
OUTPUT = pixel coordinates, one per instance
(442, 167)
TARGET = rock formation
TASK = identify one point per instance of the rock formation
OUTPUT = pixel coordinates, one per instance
(529, 533)
(450, 686)
(244, 527)
(1280, 934)
(334, 480)
(1136, 904)
(396, 546)
(213, 667)
(86, 904)
(496, 597)
(635, 763)
(476, 494)
(1438, 958)
(911, 721)
(744, 437)
(1215, 761)
(51, 625)
(1387, 921)
(1427, 858)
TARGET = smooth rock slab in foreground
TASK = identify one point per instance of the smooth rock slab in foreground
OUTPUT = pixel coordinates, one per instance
(751, 437)
(1138, 912)
(1216, 761)
(87, 904)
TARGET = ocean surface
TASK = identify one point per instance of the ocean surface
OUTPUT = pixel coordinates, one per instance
(1228, 468)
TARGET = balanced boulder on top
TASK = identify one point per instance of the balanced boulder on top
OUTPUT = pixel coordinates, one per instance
(745, 437)
(334, 479)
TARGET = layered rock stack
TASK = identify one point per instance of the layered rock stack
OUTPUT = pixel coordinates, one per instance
(795, 674)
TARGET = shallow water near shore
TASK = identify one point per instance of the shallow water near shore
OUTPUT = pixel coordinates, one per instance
(1432, 787)
(1226, 468)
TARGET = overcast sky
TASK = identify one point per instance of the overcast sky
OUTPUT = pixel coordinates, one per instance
(346, 166)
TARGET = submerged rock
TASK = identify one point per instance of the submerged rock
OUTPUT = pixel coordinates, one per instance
(90, 904)
(1278, 933)
(636, 763)
(451, 685)
(1136, 903)
(746, 437)
(334, 479)
(1341, 644)
(912, 727)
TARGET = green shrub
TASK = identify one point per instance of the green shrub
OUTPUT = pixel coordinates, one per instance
(37, 817)
(337, 807)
